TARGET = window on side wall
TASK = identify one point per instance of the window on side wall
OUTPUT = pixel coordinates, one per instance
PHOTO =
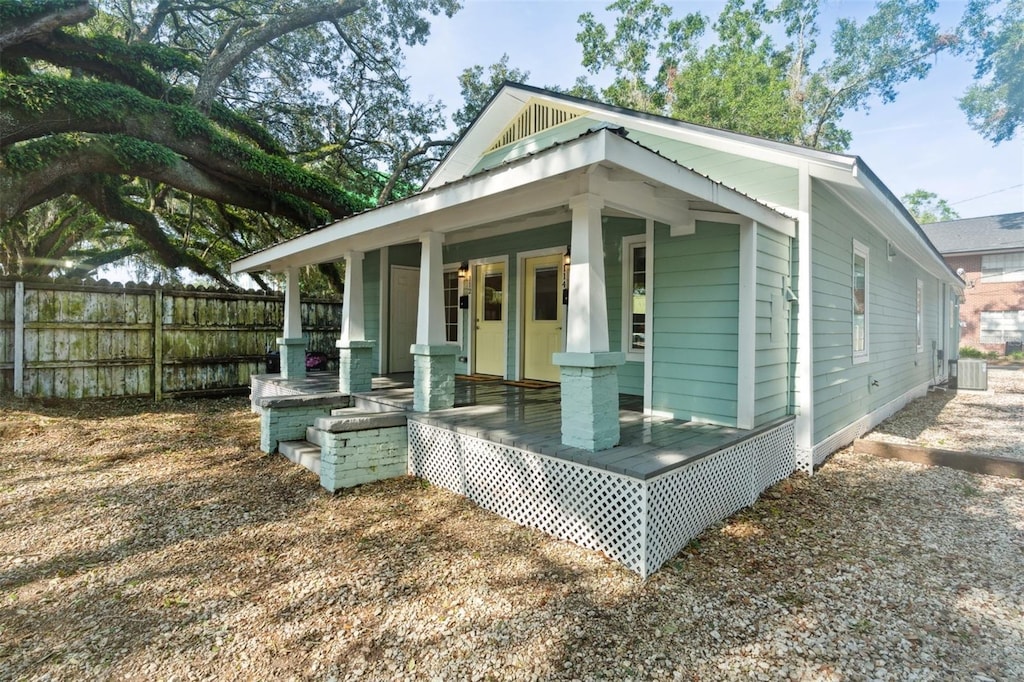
(860, 302)
(1002, 267)
(451, 305)
(634, 297)
(920, 316)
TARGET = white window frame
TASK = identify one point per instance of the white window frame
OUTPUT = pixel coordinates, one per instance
(1002, 267)
(920, 316)
(629, 243)
(862, 251)
(459, 287)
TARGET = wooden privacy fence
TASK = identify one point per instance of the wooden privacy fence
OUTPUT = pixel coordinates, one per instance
(73, 340)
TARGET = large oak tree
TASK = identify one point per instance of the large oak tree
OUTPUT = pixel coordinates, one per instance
(197, 131)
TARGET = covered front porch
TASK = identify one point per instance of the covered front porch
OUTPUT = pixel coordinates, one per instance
(500, 445)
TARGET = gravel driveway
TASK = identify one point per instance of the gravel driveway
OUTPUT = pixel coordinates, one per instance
(154, 542)
(981, 422)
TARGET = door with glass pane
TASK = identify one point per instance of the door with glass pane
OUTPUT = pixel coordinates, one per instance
(489, 309)
(542, 317)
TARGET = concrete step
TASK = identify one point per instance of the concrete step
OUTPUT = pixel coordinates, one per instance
(313, 435)
(354, 419)
(303, 453)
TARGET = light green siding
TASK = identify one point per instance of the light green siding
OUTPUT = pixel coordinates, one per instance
(631, 374)
(843, 390)
(772, 384)
(696, 290)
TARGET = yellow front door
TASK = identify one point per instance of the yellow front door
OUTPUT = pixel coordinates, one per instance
(542, 317)
(489, 307)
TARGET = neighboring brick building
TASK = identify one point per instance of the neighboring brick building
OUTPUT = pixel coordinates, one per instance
(988, 253)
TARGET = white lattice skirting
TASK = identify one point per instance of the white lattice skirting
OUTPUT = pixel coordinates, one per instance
(641, 524)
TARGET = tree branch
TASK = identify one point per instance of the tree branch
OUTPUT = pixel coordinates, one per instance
(403, 164)
(60, 14)
(221, 63)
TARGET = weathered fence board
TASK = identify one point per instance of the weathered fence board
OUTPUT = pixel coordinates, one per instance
(86, 340)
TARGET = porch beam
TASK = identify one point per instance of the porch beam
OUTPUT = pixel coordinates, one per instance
(746, 343)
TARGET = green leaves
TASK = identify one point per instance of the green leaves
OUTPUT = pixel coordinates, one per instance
(995, 36)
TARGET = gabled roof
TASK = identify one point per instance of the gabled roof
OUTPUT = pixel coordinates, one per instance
(1002, 232)
(534, 183)
(512, 97)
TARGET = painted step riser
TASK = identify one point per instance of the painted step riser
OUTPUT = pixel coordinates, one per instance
(313, 436)
(367, 405)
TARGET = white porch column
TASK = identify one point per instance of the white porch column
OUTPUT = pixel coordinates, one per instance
(433, 357)
(589, 372)
(355, 353)
(291, 344)
(746, 345)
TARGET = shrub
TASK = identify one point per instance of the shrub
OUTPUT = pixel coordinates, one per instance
(969, 352)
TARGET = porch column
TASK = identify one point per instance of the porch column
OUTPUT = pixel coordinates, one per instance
(355, 353)
(291, 344)
(747, 326)
(589, 372)
(433, 356)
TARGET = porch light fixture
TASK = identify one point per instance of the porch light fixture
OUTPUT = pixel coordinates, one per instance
(464, 270)
(567, 260)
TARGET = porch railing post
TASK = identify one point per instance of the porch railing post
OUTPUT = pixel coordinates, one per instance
(433, 356)
(355, 353)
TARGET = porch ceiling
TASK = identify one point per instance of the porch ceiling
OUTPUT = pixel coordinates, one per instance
(524, 193)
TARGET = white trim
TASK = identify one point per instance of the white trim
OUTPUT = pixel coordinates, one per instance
(847, 434)
(531, 185)
(804, 340)
(859, 249)
(446, 268)
(520, 341)
(629, 242)
(920, 317)
(747, 324)
(649, 319)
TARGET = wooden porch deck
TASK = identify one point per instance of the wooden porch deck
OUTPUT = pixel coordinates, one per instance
(529, 419)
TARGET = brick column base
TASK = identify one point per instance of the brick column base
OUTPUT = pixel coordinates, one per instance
(590, 399)
(355, 367)
(293, 358)
(434, 378)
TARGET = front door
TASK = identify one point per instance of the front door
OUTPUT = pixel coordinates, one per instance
(404, 299)
(489, 309)
(542, 317)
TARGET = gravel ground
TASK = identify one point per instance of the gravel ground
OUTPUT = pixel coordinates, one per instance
(154, 542)
(982, 422)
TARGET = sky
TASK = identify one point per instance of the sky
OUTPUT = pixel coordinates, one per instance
(920, 141)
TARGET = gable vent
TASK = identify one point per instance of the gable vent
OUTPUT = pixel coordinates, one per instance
(535, 117)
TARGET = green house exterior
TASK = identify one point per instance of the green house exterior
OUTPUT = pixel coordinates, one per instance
(776, 281)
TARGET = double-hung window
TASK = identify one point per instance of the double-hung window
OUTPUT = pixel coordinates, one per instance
(451, 305)
(634, 296)
(860, 302)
